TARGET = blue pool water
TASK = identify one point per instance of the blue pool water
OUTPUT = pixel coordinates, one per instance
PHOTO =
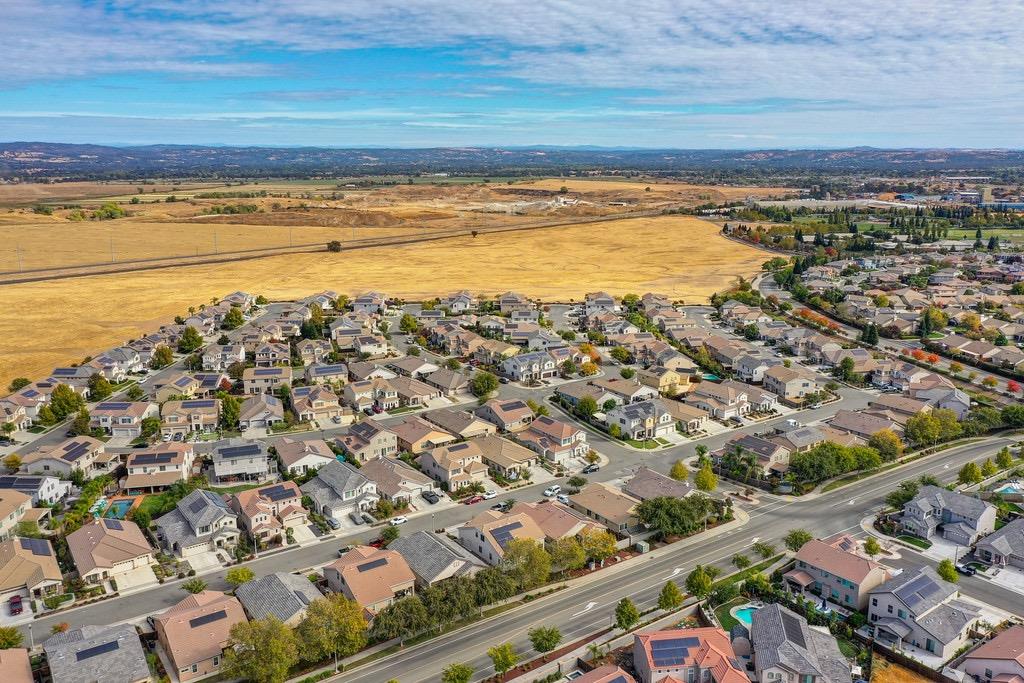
(119, 508)
(1013, 487)
(746, 615)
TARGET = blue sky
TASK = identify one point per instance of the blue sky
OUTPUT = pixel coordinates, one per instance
(663, 73)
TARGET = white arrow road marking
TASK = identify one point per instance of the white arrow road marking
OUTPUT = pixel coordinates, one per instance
(755, 539)
(590, 606)
(675, 572)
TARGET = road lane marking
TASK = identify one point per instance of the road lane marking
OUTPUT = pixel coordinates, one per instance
(590, 606)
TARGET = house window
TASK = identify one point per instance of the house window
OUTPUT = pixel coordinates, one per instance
(874, 602)
(988, 673)
(889, 608)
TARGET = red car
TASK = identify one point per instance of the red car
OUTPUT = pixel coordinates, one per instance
(377, 543)
(473, 499)
(15, 605)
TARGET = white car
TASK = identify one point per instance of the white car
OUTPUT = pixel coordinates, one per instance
(552, 490)
(562, 498)
(490, 494)
(395, 521)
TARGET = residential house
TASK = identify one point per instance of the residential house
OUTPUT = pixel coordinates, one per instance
(688, 418)
(504, 458)
(459, 302)
(396, 481)
(953, 516)
(608, 673)
(186, 417)
(38, 488)
(646, 484)
(105, 549)
(413, 366)
(920, 610)
(269, 511)
(608, 505)
(376, 393)
(455, 465)
(414, 393)
(554, 440)
(370, 302)
(82, 453)
(156, 468)
(448, 382)
(200, 522)
(494, 352)
(771, 457)
(271, 353)
(999, 660)
(832, 569)
(510, 302)
(300, 457)
(751, 367)
(97, 654)
(462, 424)
(210, 383)
(571, 394)
(598, 302)
(703, 655)
(318, 404)
(368, 439)
(313, 351)
(282, 595)
(509, 415)
(1004, 547)
(220, 357)
(122, 418)
(29, 569)
(320, 373)
(434, 557)
(665, 381)
(195, 633)
(641, 421)
(627, 390)
(416, 435)
(237, 460)
(177, 386)
(529, 367)
(372, 577)
(265, 380)
(861, 424)
(261, 411)
(487, 534)
(556, 520)
(786, 648)
(339, 490)
(791, 384)
(720, 401)
(13, 506)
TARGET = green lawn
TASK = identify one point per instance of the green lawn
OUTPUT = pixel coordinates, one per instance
(233, 489)
(726, 619)
(848, 649)
(749, 571)
(914, 541)
(649, 444)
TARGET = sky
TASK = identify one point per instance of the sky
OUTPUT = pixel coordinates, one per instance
(450, 73)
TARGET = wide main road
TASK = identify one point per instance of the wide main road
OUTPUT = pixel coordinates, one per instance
(588, 608)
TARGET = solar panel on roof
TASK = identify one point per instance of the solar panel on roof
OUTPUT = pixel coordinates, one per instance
(183, 382)
(794, 632)
(37, 545)
(266, 372)
(372, 564)
(82, 655)
(152, 458)
(503, 534)
(30, 393)
(458, 447)
(240, 451)
(197, 505)
(200, 403)
(278, 492)
(303, 598)
(74, 451)
(114, 524)
(114, 405)
(207, 619)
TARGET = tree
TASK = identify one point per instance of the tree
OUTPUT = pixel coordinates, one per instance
(401, 619)
(334, 246)
(150, 426)
(389, 533)
(261, 651)
(567, 554)
(588, 368)
(586, 406)
(615, 431)
(230, 410)
(333, 626)
(970, 473)
(796, 539)
(620, 354)
(871, 546)
(626, 614)
(765, 550)
(922, 429)
(988, 468)
(457, 673)
(544, 638)
(13, 462)
(527, 563)
(162, 357)
(194, 585)
(18, 383)
(81, 424)
(190, 340)
(136, 393)
(598, 544)
(705, 479)
(947, 571)
(679, 471)
(740, 561)
(888, 444)
(100, 387)
(236, 576)
(408, 324)
(956, 368)
(569, 368)
(1004, 459)
(627, 373)
(1013, 415)
(64, 401)
(670, 597)
(491, 585)
(503, 657)
(483, 383)
(699, 583)
(233, 319)
(10, 637)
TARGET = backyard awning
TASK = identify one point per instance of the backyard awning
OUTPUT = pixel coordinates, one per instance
(800, 577)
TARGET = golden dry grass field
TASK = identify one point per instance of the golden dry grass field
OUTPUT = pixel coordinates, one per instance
(44, 324)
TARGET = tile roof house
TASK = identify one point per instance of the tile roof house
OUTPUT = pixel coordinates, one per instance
(646, 484)
(82, 453)
(832, 569)
(460, 423)
(487, 534)
(505, 457)
(108, 548)
(374, 578)
(97, 654)
(319, 373)
(791, 384)
(368, 439)
(265, 380)
(1000, 659)
(861, 424)
(195, 632)
(556, 520)
(222, 356)
(689, 654)
(508, 415)
(185, 417)
(457, 465)
(416, 435)
(260, 411)
(201, 522)
(435, 557)
(954, 516)
(413, 366)
(320, 404)
(122, 418)
(283, 595)
(554, 440)
(299, 457)
(609, 673)
(529, 367)
(719, 401)
(919, 609)
(241, 460)
(28, 567)
(158, 467)
(448, 382)
(1004, 547)
(641, 420)
(13, 506)
(338, 490)
(266, 512)
(772, 457)
(608, 505)
(786, 648)
(37, 487)
(15, 666)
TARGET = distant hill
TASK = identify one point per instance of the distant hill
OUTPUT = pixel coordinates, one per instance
(47, 160)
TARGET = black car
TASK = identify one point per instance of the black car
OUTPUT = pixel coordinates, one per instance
(430, 497)
(591, 468)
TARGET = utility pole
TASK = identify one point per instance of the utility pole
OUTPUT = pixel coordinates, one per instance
(215, 250)
(111, 248)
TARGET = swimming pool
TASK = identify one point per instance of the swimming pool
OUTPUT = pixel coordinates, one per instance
(1012, 487)
(745, 615)
(119, 508)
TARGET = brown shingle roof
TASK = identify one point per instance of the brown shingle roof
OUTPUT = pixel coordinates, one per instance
(194, 630)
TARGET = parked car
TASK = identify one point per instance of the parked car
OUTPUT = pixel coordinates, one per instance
(490, 494)
(368, 411)
(503, 380)
(165, 438)
(966, 570)
(591, 468)
(378, 410)
(356, 517)
(473, 499)
(395, 521)
(377, 543)
(179, 437)
(343, 549)
(15, 605)
(333, 523)
(552, 490)
(500, 507)
(430, 497)
(562, 498)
